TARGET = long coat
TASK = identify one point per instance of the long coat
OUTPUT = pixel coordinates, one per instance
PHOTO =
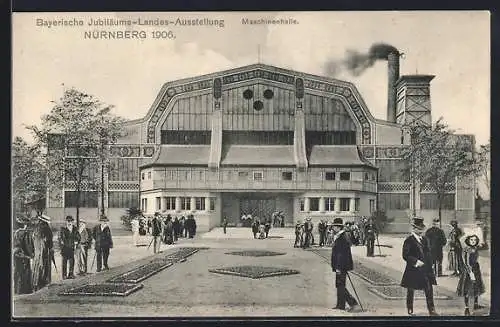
(67, 241)
(413, 277)
(341, 254)
(103, 239)
(43, 245)
(23, 252)
(437, 240)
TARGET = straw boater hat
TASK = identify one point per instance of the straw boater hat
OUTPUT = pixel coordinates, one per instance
(44, 218)
(418, 223)
(338, 222)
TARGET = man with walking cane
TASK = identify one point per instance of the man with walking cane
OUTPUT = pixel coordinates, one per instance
(156, 231)
(418, 274)
(341, 264)
(370, 235)
(103, 242)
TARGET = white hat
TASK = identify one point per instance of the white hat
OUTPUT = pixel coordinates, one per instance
(45, 218)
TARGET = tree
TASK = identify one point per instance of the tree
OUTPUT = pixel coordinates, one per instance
(436, 156)
(29, 175)
(75, 135)
(484, 165)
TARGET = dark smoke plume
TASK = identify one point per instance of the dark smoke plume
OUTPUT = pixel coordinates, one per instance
(356, 62)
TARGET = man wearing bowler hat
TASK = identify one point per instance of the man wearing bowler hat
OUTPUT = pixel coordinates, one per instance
(418, 274)
(69, 238)
(341, 264)
(103, 242)
(437, 240)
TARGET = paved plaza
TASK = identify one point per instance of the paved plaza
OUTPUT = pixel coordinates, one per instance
(188, 287)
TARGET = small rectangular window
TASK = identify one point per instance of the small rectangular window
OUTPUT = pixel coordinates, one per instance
(302, 205)
(345, 176)
(330, 204)
(212, 204)
(158, 203)
(258, 176)
(330, 175)
(242, 175)
(344, 204)
(185, 203)
(314, 204)
(149, 175)
(356, 204)
(170, 203)
(142, 176)
(287, 175)
(372, 206)
(200, 204)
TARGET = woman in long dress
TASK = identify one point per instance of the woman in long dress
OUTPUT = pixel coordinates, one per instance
(23, 252)
(470, 283)
(43, 247)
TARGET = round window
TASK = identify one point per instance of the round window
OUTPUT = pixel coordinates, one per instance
(258, 105)
(268, 94)
(248, 94)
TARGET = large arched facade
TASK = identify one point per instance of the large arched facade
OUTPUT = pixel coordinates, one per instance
(257, 139)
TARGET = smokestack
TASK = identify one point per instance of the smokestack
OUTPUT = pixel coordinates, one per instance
(393, 70)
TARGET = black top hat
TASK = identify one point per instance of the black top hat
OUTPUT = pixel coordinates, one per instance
(453, 223)
(338, 222)
(418, 222)
(169, 216)
(103, 218)
(69, 218)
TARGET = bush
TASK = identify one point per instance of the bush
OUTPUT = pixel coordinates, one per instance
(131, 214)
(380, 219)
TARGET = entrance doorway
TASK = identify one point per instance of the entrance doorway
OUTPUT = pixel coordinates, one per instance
(261, 205)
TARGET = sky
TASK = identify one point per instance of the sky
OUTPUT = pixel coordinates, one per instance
(128, 73)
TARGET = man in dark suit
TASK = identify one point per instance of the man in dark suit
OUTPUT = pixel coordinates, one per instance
(103, 242)
(341, 264)
(156, 231)
(437, 240)
(69, 238)
(370, 234)
(418, 274)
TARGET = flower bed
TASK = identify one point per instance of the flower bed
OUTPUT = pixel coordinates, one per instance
(254, 272)
(154, 266)
(256, 253)
(141, 273)
(372, 276)
(106, 289)
(399, 293)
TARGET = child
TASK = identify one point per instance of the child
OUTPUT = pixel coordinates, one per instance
(470, 283)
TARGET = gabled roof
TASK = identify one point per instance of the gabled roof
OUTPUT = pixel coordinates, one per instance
(258, 155)
(337, 155)
(167, 155)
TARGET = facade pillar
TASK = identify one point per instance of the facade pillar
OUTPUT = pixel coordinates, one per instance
(193, 203)
(337, 204)
(307, 205)
(322, 204)
(177, 204)
(352, 204)
(207, 203)
(163, 203)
